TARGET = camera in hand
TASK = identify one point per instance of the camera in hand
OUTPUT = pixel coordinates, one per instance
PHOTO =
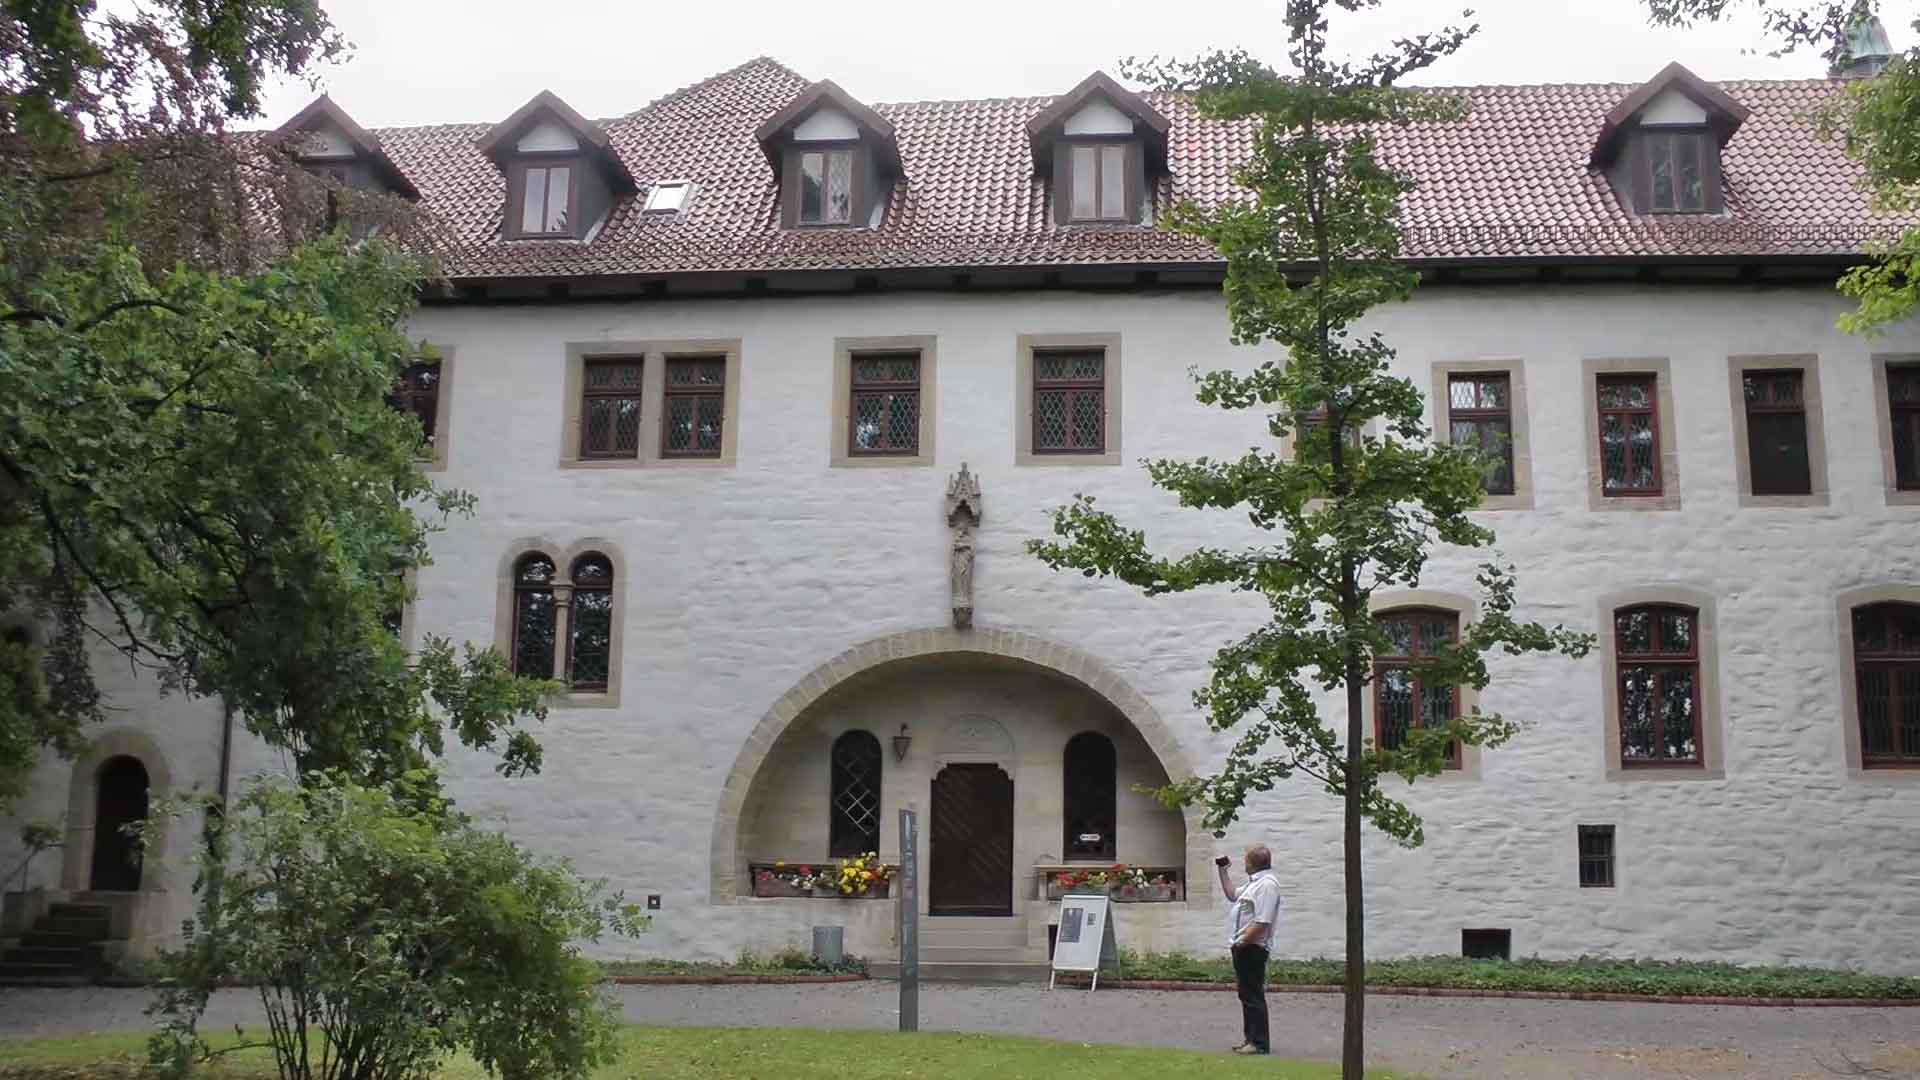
(1223, 861)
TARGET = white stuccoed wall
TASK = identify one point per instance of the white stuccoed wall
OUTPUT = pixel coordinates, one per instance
(743, 581)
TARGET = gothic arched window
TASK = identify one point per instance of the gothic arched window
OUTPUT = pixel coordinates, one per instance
(533, 616)
(854, 825)
(1092, 792)
(590, 644)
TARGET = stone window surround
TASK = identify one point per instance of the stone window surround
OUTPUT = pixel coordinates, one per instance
(1516, 371)
(653, 356)
(1712, 731)
(1809, 368)
(1025, 346)
(1591, 368)
(1850, 693)
(442, 406)
(1883, 413)
(562, 604)
(1466, 609)
(840, 454)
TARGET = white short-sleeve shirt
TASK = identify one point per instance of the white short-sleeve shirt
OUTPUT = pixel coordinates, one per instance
(1258, 902)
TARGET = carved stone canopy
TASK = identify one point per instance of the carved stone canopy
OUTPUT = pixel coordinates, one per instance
(963, 497)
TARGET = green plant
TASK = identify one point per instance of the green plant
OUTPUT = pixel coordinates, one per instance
(384, 930)
(36, 837)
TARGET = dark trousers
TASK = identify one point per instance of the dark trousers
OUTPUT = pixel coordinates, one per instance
(1250, 978)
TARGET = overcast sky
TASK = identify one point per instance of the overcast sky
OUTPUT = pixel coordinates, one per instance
(438, 61)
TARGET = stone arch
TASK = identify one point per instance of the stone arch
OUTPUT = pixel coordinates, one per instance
(83, 801)
(725, 865)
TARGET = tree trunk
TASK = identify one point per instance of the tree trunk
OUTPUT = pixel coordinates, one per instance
(1353, 1037)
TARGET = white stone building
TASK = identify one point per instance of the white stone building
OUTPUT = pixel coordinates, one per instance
(711, 367)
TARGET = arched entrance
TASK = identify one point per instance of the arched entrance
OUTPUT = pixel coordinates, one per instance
(970, 856)
(121, 800)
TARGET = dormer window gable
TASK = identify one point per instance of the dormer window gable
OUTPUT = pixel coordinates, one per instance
(323, 140)
(1661, 146)
(562, 172)
(836, 159)
(1102, 145)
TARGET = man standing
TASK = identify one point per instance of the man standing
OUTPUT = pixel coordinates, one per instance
(1254, 908)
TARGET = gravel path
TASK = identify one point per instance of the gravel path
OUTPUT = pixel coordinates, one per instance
(1465, 1038)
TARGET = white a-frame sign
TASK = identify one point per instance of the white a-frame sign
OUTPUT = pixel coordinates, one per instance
(1085, 939)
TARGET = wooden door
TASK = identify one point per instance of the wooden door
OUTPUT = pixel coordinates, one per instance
(971, 855)
(122, 800)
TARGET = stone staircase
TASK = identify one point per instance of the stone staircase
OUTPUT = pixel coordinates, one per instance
(981, 950)
(65, 947)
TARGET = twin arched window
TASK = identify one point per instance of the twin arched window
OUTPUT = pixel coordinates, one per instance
(537, 622)
(1886, 665)
(853, 826)
(1091, 793)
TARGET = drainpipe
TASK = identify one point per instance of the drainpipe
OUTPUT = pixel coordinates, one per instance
(226, 749)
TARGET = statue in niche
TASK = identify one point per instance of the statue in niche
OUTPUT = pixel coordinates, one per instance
(963, 517)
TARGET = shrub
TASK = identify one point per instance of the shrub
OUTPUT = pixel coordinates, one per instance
(384, 930)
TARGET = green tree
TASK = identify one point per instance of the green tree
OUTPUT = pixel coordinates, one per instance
(1876, 119)
(1363, 497)
(382, 931)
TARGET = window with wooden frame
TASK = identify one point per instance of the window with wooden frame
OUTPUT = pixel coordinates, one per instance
(1480, 415)
(1069, 401)
(533, 617)
(1776, 414)
(1596, 856)
(610, 392)
(1677, 170)
(1903, 408)
(826, 186)
(1099, 182)
(853, 826)
(1402, 700)
(883, 413)
(1657, 652)
(542, 198)
(417, 393)
(694, 408)
(1629, 434)
(1090, 785)
(590, 623)
(1886, 661)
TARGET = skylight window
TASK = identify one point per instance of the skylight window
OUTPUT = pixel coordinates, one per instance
(669, 197)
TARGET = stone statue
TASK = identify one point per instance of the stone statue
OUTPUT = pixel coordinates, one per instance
(963, 517)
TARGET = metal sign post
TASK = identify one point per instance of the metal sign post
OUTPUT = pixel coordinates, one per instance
(909, 924)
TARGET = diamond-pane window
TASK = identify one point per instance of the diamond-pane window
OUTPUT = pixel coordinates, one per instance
(826, 187)
(610, 408)
(1480, 415)
(1091, 787)
(1886, 660)
(533, 617)
(1776, 414)
(695, 407)
(1402, 700)
(1629, 435)
(1069, 401)
(590, 643)
(1903, 394)
(417, 393)
(884, 417)
(1657, 650)
(854, 828)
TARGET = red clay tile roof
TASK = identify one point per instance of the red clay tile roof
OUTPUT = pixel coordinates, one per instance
(1512, 182)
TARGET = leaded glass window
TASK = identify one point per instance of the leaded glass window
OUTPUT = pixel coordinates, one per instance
(1776, 407)
(1629, 434)
(1091, 787)
(695, 407)
(1657, 650)
(533, 617)
(826, 187)
(1886, 660)
(1099, 182)
(1069, 401)
(546, 200)
(417, 393)
(1402, 697)
(1903, 400)
(1480, 415)
(854, 828)
(610, 408)
(590, 628)
(884, 416)
(1677, 172)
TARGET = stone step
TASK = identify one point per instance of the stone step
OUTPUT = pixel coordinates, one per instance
(42, 982)
(1006, 938)
(32, 969)
(88, 928)
(976, 954)
(966, 972)
(79, 911)
(71, 955)
(58, 939)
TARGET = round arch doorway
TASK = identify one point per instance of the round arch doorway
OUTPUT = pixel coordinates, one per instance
(121, 799)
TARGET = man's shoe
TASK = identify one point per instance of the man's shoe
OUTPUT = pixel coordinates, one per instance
(1248, 1050)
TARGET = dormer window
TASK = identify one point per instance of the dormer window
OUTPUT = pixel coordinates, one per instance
(1099, 144)
(836, 160)
(562, 173)
(325, 142)
(1660, 146)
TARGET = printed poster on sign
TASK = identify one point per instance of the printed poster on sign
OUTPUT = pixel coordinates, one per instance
(1084, 941)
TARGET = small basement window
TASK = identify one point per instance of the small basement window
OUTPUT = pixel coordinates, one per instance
(1596, 856)
(1486, 944)
(669, 197)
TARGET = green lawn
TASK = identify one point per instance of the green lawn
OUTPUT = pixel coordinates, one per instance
(743, 1054)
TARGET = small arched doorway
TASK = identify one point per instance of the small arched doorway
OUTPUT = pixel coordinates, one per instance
(970, 862)
(120, 801)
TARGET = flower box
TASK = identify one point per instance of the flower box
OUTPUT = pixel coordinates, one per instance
(1056, 890)
(875, 891)
(773, 886)
(1144, 894)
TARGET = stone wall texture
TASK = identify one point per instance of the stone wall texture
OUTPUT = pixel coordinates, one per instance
(750, 590)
